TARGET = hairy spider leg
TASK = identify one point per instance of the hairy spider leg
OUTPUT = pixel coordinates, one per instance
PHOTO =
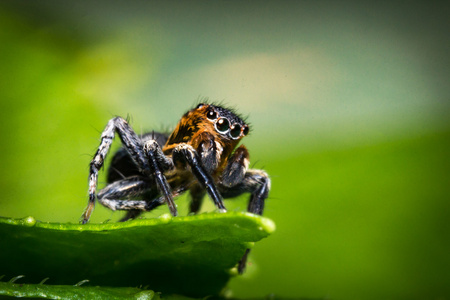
(133, 145)
(209, 151)
(117, 195)
(237, 179)
(157, 162)
(261, 183)
(131, 142)
(257, 183)
(185, 154)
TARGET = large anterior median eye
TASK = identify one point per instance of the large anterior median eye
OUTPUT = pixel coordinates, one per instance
(235, 131)
(222, 125)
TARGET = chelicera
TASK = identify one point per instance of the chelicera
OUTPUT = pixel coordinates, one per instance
(201, 156)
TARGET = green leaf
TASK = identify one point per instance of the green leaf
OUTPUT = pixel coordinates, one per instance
(193, 255)
(74, 292)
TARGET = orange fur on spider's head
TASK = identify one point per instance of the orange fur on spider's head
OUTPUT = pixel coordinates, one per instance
(225, 126)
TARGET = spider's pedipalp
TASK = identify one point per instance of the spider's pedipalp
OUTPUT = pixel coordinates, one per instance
(237, 166)
(209, 150)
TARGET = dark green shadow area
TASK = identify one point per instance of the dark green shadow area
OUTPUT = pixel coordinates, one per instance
(193, 256)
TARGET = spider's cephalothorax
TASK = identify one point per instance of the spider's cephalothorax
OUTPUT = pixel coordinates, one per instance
(200, 156)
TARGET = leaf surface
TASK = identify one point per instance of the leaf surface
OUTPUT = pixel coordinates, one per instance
(75, 292)
(193, 255)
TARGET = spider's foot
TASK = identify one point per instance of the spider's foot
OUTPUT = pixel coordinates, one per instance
(172, 207)
(87, 213)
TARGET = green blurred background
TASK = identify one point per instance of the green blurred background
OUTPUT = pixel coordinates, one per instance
(349, 107)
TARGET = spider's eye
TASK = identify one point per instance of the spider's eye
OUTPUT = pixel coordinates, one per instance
(246, 129)
(222, 125)
(212, 115)
(235, 131)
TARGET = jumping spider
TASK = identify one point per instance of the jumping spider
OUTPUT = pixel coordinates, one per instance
(199, 156)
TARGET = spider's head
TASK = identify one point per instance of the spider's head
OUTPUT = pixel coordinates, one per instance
(224, 122)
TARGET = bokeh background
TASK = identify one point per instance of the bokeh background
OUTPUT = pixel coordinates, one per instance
(349, 107)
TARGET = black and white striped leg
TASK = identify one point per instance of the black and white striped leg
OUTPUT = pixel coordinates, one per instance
(131, 143)
(116, 195)
(257, 183)
(185, 154)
